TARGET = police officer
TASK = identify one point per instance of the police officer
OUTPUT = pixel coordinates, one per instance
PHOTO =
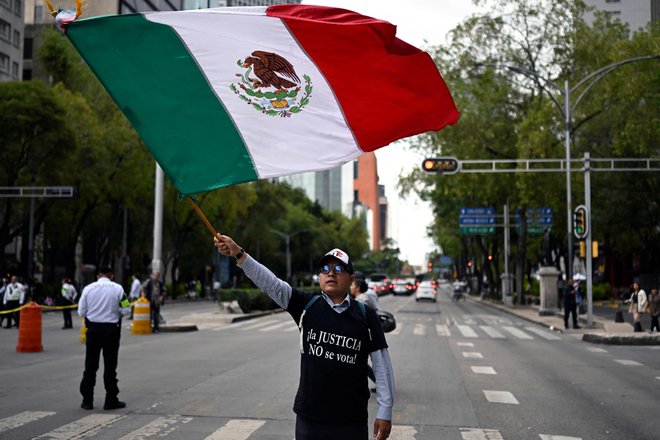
(68, 298)
(14, 297)
(102, 304)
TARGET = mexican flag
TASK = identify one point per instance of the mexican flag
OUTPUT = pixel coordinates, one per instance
(229, 95)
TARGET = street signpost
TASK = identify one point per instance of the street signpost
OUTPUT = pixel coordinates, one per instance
(538, 220)
(476, 221)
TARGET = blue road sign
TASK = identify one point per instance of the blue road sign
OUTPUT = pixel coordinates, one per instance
(475, 211)
(476, 220)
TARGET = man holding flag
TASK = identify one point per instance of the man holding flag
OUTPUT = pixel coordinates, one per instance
(337, 334)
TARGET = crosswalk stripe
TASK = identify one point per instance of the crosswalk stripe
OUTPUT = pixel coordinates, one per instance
(260, 324)
(86, 427)
(465, 344)
(21, 419)
(490, 331)
(483, 370)
(403, 432)
(480, 434)
(500, 397)
(466, 331)
(160, 427)
(442, 330)
(232, 325)
(420, 330)
(275, 326)
(517, 333)
(472, 355)
(597, 350)
(546, 334)
(557, 437)
(627, 362)
(236, 430)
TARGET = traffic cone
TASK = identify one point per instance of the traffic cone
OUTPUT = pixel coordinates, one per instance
(141, 317)
(29, 329)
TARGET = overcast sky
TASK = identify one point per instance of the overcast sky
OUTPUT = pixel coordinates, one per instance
(421, 23)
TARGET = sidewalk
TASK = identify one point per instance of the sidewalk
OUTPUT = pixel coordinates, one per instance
(217, 317)
(603, 331)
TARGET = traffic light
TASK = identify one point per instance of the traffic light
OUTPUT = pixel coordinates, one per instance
(583, 249)
(430, 267)
(580, 222)
(441, 165)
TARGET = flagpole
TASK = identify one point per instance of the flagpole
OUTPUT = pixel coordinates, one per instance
(202, 216)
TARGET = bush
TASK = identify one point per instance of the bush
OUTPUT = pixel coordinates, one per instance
(601, 292)
(249, 299)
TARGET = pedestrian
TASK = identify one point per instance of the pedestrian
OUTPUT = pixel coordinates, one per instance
(337, 335)
(154, 290)
(570, 304)
(368, 296)
(3, 287)
(654, 310)
(134, 294)
(13, 298)
(637, 305)
(68, 298)
(102, 305)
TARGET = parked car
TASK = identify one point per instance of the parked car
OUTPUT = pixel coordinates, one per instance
(426, 291)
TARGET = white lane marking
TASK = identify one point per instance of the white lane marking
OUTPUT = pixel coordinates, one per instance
(420, 330)
(500, 397)
(547, 334)
(490, 331)
(465, 344)
(160, 427)
(273, 327)
(480, 434)
(236, 430)
(657, 377)
(231, 325)
(517, 333)
(483, 370)
(467, 331)
(403, 432)
(21, 419)
(442, 330)
(260, 324)
(472, 355)
(627, 362)
(596, 350)
(397, 330)
(85, 427)
(557, 437)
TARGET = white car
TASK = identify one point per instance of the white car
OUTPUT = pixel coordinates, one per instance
(426, 290)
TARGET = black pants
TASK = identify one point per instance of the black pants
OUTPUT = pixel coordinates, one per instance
(101, 337)
(66, 313)
(570, 308)
(155, 315)
(14, 315)
(307, 429)
(654, 323)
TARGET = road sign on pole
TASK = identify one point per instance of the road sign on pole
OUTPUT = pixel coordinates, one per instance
(476, 221)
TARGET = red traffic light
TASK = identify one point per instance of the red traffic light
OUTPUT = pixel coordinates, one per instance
(441, 165)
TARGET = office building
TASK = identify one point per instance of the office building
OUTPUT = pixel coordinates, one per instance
(11, 40)
(636, 13)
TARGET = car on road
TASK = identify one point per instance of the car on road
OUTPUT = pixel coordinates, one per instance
(403, 287)
(381, 284)
(426, 291)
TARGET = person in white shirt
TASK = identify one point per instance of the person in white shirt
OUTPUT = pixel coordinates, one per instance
(102, 304)
(13, 298)
(68, 298)
(134, 294)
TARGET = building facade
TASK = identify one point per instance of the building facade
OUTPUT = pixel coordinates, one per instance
(11, 40)
(636, 13)
(369, 193)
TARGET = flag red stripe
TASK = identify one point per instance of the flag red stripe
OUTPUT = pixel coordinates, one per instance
(387, 88)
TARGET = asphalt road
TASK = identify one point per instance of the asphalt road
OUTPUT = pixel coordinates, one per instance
(463, 371)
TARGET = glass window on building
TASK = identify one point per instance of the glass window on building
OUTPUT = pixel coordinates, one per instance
(27, 48)
(5, 30)
(17, 38)
(4, 62)
(14, 70)
(18, 7)
(356, 167)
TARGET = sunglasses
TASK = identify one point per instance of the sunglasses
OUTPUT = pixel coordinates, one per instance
(336, 268)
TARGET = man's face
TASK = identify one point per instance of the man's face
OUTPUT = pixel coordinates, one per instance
(335, 284)
(14, 279)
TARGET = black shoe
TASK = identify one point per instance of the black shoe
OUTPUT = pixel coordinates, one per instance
(576, 326)
(86, 405)
(116, 404)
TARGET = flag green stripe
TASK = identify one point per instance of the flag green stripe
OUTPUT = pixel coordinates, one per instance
(157, 84)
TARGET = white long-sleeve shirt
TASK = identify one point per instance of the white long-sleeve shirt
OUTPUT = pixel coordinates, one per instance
(280, 292)
(100, 300)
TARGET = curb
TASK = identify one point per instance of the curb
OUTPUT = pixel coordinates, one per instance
(177, 328)
(254, 315)
(621, 339)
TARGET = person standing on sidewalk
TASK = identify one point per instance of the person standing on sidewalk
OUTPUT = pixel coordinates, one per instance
(134, 294)
(570, 304)
(154, 291)
(654, 303)
(637, 306)
(67, 298)
(337, 336)
(102, 304)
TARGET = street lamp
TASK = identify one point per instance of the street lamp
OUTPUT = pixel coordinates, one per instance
(287, 239)
(567, 109)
